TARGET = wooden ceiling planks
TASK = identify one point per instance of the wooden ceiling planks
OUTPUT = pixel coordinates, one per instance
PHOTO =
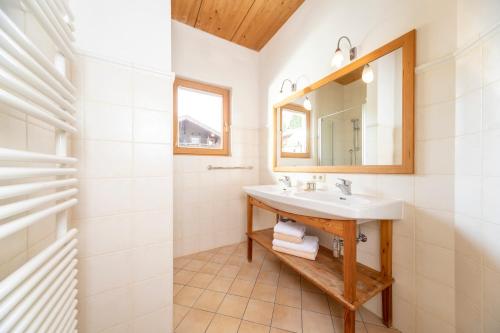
(222, 17)
(250, 23)
(186, 11)
(264, 19)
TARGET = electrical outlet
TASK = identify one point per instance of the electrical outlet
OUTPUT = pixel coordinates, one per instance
(319, 177)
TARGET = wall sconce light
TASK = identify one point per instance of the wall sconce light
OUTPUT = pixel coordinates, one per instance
(338, 56)
(293, 85)
(367, 74)
(307, 104)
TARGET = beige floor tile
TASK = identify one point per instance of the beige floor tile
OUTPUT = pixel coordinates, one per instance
(201, 280)
(264, 292)
(291, 281)
(289, 297)
(236, 260)
(271, 266)
(220, 284)
(369, 317)
(371, 328)
(177, 288)
(195, 265)
(196, 321)
(313, 322)
(209, 301)
(229, 271)
(248, 272)
(241, 251)
(241, 288)
(183, 276)
(315, 302)
(258, 258)
(285, 269)
(211, 268)
(248, 327)
(278, 330)
(308, 286)
(259, 312)
(180, 312)
(220, 258)
(224, 324)
(265, 280)
(227, 249)
(187, 296)
(233, 306)
(287, 318)
(336, 309)
(338, 323)
(181, 262)
(268, 277)
(204, 256)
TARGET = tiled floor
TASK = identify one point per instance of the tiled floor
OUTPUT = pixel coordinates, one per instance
(217, 291)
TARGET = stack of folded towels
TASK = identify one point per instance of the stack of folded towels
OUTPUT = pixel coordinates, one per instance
(290, 238)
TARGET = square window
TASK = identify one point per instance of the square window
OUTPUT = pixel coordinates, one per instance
(201, 118)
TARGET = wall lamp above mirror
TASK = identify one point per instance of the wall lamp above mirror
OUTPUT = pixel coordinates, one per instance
(293, 87)
(357, 119)
(338, 56)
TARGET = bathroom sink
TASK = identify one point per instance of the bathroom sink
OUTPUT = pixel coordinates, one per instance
(327, 203)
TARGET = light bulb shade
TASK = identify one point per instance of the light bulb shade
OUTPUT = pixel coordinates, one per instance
(367, 75)
(337, 58)
(307, 104)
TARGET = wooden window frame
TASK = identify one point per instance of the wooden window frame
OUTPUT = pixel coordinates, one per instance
(226, 125)
(296, 108)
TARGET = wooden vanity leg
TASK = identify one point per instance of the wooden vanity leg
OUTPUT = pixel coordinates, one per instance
(249, 228)
(349, 321)
(386, 269)
(349, 236)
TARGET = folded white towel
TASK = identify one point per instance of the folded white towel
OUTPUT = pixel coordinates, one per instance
(290, 228)
(310, 244)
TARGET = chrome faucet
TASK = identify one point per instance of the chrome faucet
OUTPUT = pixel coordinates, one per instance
(344, 186)
(285, 181)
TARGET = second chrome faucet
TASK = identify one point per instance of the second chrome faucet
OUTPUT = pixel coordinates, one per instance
(344, 186)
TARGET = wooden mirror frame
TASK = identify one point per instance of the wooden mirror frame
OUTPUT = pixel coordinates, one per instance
(296, 108)
(407, 44)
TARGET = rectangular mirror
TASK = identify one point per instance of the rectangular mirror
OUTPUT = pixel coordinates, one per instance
(361, 117)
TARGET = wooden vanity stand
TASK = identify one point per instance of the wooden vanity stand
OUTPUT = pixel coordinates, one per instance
(345, 280)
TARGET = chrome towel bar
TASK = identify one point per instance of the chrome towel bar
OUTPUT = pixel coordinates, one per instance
(211, 167)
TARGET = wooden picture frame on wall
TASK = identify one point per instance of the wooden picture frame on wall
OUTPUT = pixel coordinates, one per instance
(296, 108)
(226, 121)
(407, 43)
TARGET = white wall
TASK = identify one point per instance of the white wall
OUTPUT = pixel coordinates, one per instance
(424, 291)
(209, 207)
(132, 31)
(124, 145)
(18, 131)
(477, 167)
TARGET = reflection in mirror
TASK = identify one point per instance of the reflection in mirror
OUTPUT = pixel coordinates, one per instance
(357, 119)
(295, 123)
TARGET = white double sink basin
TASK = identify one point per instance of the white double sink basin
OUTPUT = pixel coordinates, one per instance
(327, 204)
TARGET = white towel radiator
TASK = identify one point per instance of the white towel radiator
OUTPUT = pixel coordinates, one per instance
(40, 296)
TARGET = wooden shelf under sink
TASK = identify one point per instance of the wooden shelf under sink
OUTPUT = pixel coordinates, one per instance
(326, 272)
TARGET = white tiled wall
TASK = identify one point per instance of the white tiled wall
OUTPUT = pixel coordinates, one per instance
(125, 210)
(18, 131)
(209, 206)
(477, 180)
